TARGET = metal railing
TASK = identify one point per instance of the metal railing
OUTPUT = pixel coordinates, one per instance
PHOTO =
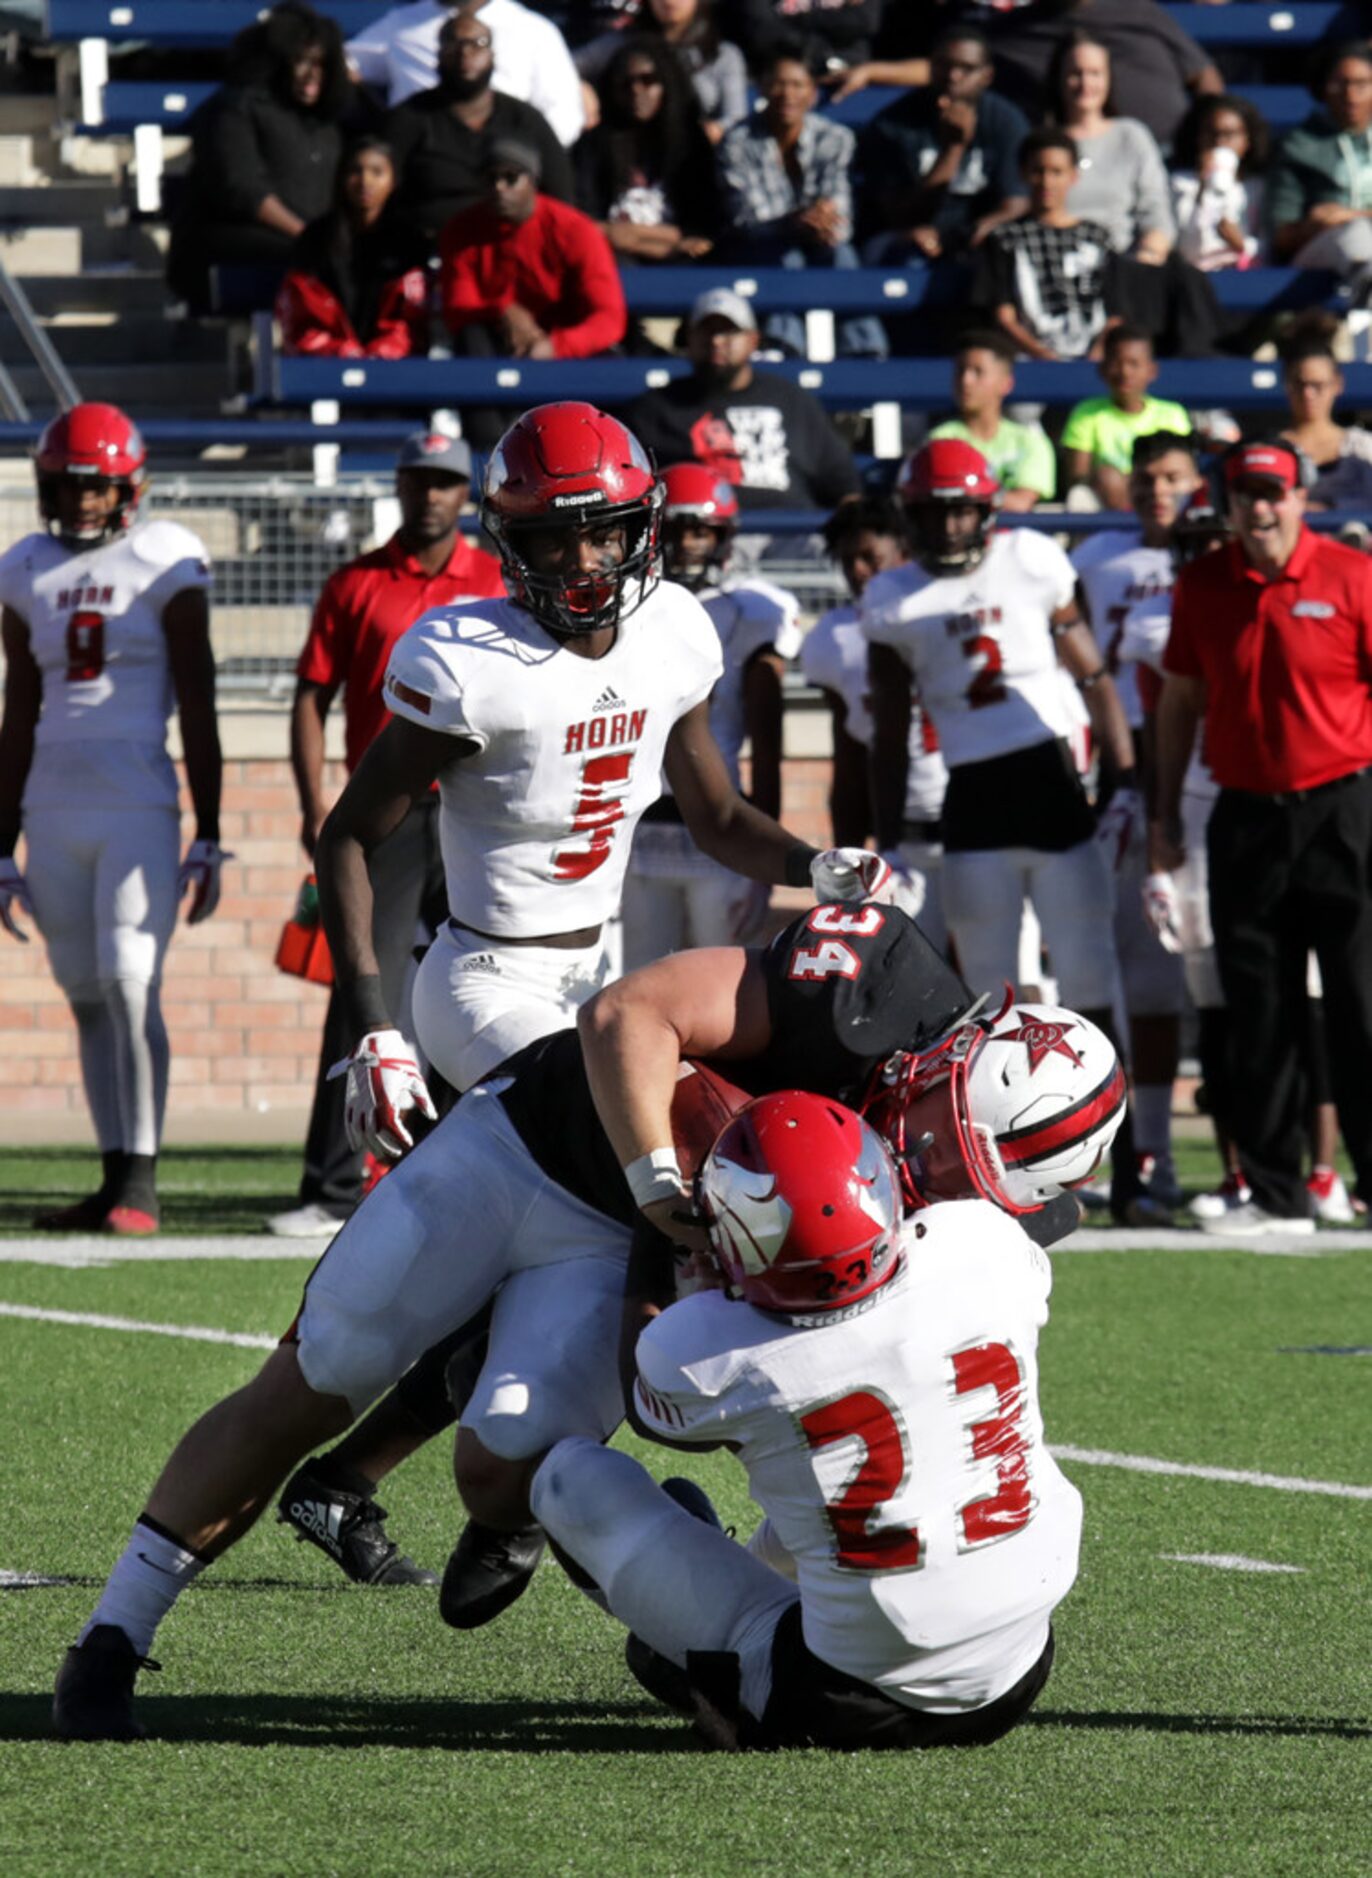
(45, 356)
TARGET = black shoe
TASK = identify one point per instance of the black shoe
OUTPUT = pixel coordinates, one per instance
(93, 1699)
(488, 1570)
(350, 1528)
(693, 1500)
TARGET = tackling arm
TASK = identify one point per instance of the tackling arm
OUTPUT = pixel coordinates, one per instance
(721, 823)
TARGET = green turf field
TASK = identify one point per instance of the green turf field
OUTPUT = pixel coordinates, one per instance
(1201, 1719)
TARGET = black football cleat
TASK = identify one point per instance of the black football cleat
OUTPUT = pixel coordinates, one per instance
(693, 1500)
(93, 1698)
(487, 1571)
(350, 1529)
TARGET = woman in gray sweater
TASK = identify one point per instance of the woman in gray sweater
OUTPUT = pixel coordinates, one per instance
(1123, 183)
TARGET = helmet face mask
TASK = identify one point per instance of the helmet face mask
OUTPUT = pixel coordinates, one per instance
(561, 474)
(951, 498)
(946, 542)
(697, 504)
(95, 444)
(803, 1207)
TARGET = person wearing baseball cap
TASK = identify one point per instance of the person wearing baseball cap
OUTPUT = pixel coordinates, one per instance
(1271, 647)
(362, 610)
(761, 433)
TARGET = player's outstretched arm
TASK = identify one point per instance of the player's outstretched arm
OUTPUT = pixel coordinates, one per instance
(721, 823)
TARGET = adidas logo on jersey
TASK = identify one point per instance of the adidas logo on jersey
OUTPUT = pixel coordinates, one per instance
(481, 962)
(322, 1519)
(609, 700)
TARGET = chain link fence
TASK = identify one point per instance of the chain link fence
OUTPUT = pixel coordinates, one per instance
(275, 540)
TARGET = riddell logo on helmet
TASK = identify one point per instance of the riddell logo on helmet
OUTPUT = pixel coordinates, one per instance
(587, 498)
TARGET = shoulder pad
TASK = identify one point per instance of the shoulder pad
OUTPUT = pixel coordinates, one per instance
(163, 544)
(424, 683)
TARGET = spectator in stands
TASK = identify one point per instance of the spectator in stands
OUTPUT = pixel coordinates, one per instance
(838, 33)
(757, 430)
(1217, 189)
(646, 172)
(1098, 437)
(1020, 455)
(865, 536)
(398, 55)
(1049, 279)
(362, 610)
(1341, 453)
(715, 66)
(356, 287)
(525, 277)
(788, 197)
(442, 138)
(1319, 194)
(1122, 183)
(940, 166)
(265, 150)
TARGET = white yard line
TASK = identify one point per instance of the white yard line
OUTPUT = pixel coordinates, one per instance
(1228, 1562)
(96, 1320)
(1190, 1470)
(89, 1252)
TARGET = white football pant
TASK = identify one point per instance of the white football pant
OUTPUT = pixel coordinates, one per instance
(924, 861)
(984, 891)
(1193, 891)
(476, 1001)
(104, 897)
(1153, 979)
(468, 1214)
(677, 1583)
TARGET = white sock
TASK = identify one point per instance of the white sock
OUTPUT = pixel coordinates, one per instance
(1153, 1118)
(144, 1585)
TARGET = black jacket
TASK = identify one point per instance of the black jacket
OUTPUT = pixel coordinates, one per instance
(440, 165)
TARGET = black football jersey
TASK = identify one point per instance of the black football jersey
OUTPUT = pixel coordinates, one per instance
(847, 986)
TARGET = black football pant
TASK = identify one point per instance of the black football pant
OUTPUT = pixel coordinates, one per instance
(1290, 875)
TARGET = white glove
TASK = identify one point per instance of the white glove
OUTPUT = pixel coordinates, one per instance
(14, 893)
(850, 874)
(1162, 910)
(384, 1085)
(1122, 824)
(199, 876)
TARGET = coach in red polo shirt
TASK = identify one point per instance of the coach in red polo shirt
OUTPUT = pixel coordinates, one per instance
(362, 611)
(1271, 646)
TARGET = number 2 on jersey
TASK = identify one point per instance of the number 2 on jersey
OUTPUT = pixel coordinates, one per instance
(598, 811)
(988, 684)
(868, 1540)
(85, 647)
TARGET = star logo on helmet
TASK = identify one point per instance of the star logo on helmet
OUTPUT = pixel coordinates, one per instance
(1041, 1040)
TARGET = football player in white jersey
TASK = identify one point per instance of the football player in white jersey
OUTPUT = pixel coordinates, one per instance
(982, 622)
(1125, 579)
(106, 628)
(674, 895)
(878, 1379)
(866, 537)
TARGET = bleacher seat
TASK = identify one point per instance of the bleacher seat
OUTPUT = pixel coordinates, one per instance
(176, 23)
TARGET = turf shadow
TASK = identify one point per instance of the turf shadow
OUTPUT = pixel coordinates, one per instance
(538, 1727)
(1336, 1727)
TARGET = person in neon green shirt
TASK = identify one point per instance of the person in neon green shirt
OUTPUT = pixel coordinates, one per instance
(1099, 433)
(1020, 455)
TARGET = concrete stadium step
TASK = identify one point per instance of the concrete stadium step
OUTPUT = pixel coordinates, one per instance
(120, 290)
(119, 338)
(166, 390)
(56, 205)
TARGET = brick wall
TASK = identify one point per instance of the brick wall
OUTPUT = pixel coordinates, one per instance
(244, 1037)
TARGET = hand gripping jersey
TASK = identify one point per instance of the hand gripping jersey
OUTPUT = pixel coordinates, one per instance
(898, 1454)
(1128, 590)
(834, 657)
(536, 825)
(846, 988)
(750, 616)
(979, 644)
(95, 630)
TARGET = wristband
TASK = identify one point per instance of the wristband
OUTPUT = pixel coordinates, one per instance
(655, 1176)
(365, 1006)
(797, 864)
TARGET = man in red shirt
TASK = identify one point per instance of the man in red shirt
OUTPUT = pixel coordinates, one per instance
(362, 610)
(1271, 645)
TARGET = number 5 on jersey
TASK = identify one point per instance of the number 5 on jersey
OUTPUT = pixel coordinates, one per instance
(598, 812)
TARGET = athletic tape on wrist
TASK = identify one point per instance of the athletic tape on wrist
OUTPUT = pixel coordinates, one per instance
(655, 1176)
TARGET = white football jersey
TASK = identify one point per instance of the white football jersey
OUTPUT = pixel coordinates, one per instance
(95, 629)
(898, 1454)
(834, 657)
(536, 826)
(1128, 590)
(979, 645)
(749, 616)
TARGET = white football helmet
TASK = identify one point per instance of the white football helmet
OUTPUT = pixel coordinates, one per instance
(1011, 1108)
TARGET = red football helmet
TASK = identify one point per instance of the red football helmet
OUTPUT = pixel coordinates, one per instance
(561, 470)
(91, 440)
(803, 1206)
(695, 493)
(943, 477)
(1201, 526)
(1010, 1108)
